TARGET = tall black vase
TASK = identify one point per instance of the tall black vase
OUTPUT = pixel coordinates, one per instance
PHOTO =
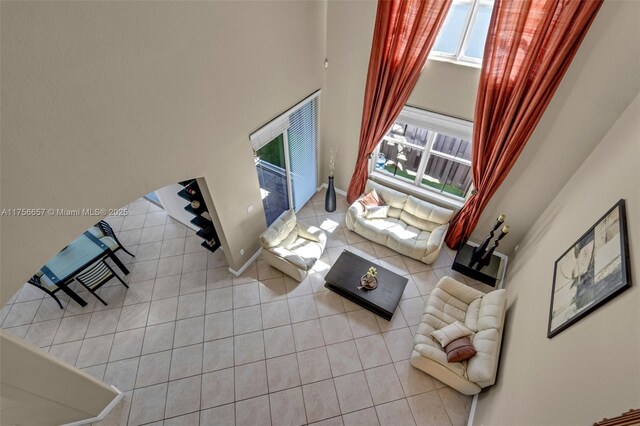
(330, 197)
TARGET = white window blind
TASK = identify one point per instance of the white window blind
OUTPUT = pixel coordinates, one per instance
(437, 122)
(269, 132)
(302, 138)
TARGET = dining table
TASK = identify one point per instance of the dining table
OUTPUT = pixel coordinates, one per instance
(82, 252)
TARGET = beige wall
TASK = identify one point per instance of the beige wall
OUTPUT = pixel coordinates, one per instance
(103, 102)
(38, 389)
(592, 369)
(600, 83)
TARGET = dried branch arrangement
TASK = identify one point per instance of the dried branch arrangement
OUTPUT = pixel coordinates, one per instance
(333, 153)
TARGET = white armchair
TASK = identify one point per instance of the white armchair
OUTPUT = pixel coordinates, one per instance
(484, 314)
(292, 247)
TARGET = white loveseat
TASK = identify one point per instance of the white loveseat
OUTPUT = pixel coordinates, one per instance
(483, 314)
(413, 227)
(292, 247)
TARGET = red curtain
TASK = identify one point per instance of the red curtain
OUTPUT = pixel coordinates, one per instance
(404, 32)
(529, 48)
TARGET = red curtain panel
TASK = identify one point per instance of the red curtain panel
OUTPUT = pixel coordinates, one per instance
(529, 47)
(404, 33)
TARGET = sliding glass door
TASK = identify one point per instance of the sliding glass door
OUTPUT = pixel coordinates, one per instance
(287, 159)
(272, 176)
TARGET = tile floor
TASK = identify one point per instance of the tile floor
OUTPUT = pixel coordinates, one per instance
(191, 344)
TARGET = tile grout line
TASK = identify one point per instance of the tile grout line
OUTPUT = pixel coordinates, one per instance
(204, 324)
(335, 388)
(264, 346)
(57, 328)
(386, 348)
(142, 345)
(443, 406)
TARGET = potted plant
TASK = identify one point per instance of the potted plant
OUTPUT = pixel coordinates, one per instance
(369, 281)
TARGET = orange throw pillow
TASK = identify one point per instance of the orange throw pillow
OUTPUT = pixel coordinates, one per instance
(460, 350)
(371, 199)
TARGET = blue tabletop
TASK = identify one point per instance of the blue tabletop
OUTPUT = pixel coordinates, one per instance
(79, 253)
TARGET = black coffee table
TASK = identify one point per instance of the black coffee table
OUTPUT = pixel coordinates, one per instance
(344, 279)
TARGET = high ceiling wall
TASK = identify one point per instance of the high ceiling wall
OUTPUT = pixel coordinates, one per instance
(103, 102)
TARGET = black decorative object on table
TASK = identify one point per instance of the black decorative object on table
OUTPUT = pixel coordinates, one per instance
(479, 251)
(486, 257)
(478, 262)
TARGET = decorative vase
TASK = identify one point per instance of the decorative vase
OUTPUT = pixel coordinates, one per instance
(368, 282)
(479, 251)
(486, 257)
(330, 197)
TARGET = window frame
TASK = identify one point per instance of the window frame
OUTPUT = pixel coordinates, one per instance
(436, 124)
(463, 43)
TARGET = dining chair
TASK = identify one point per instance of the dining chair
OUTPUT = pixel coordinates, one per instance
(95, 276)
(50, 289)
(104, 231)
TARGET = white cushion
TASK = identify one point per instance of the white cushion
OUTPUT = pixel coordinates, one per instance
(482, 367)
(424, 215)
(308, 250)
(492, 310)
(376, 212)
(451, 332)
(376, 230)
(429, 348)
(280, 229)
(393, 198)
(473, 311)
(409, 241)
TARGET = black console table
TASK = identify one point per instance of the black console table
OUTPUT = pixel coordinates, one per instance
(492, 274)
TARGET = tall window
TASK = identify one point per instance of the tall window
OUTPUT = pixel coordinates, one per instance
(427, 150)
(464, 31)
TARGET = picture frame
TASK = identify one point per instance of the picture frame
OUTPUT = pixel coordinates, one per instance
(594, 270)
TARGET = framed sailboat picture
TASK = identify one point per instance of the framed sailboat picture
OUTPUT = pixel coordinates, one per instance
(591, 272)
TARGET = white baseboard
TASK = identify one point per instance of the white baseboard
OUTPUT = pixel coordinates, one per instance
(103, 413)
(338, 191)
(472, 412)
(246, 265)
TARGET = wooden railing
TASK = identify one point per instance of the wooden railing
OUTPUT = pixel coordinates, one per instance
(631, 417)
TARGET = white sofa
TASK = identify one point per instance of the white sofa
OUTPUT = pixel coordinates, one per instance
(483, 314)
(292, 247)
(414, 227)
